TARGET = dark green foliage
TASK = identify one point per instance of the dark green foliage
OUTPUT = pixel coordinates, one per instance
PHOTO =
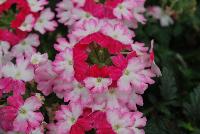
(172, 106)
(192, 107)
(168, 85)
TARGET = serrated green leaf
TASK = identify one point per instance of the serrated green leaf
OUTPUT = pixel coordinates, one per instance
(192, 107)
(168, 87)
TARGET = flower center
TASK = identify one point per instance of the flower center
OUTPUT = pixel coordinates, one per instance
(23, 43)
(117, 127)
(22, 111)
(100, 1)
(7, 17)
(73, 120)
(127, 72)
(121, 7)
(87, 15)
(80, 86)
(112, 91)
(70, 62)
(17, 75)
(98, 55)
(99, 80)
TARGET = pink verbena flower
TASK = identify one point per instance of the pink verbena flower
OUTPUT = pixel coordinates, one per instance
(67, 117)
(61, 87)
(63, 64)
(123, 10)
(45, 21)
(44, 77)
(124, 122)
(65, 10)
(139, 123)
(63, 43)
(97, 84)
(37, 5)
(119, 32)
(114, 98)
(139, 48)
(5, 55)
(78, 94)
(20, 71)
(38, 58)
(24, 116)
(120, 121)
(14, 76)
(90, 26)
(135, 76)
(26, 46)
(28, 23)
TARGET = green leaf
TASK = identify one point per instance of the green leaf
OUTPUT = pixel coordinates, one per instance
(192, 107)
(168, 85)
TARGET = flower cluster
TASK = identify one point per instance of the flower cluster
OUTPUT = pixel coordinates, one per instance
(31, 15)
(98, 75)
(130, 12)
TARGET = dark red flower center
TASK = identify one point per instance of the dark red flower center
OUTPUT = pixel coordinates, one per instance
(98, 55)
(8, 16)
(100, 1)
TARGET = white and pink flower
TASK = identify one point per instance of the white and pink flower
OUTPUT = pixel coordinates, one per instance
(97, 84)
(37, 5)
(67, 116)
(20, 115)
(136, 76)
(45, 21)
(27, 46)
(63, 64)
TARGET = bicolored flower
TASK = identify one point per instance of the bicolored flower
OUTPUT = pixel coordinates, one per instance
(139, 123)
(120, 10)
(28, 23)
(121, 121)
(97, 84)
(88, 27)
(123, 10)
(15, 76)
(79, 93)
(37, 5)
(136, 76)
(119, 32)
(65, 10)
(20, 115)
(67, 117)
(20, 71)
(63, 64)
(38, 58)
(28, 10)
(26, 46)
(62, 43)
(45, 77)
(45, 21)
